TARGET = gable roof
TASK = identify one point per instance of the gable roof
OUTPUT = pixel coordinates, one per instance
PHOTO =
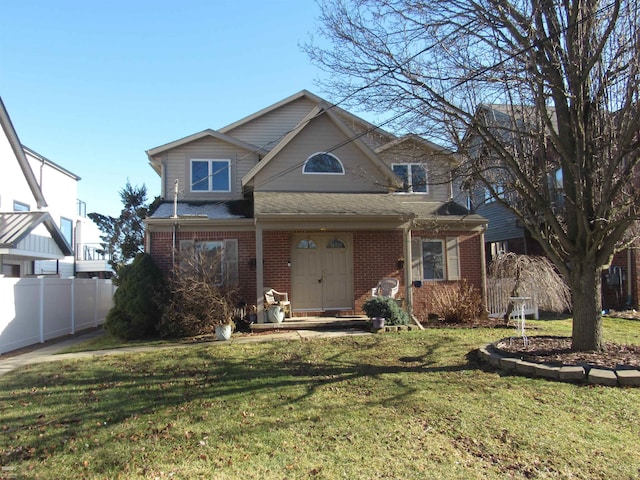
(197, 136)
(18, 151)
(15, 226)
(321, 109)
(50, 163)
(314, 99)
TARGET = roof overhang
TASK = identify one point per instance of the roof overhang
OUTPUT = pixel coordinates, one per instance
(15, 226)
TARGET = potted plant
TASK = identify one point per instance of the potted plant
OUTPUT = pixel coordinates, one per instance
(378, 310)
(384, 311)
(223, 331)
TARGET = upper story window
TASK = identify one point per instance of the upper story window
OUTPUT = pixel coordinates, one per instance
(66, 227)
(323, 163)
(210, 175)
(489, 196)
(413, 176)
(20, 207)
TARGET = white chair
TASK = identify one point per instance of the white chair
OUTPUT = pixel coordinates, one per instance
(387, 287)
(274, 298)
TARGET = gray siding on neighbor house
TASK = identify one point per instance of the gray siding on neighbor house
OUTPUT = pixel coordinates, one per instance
(502, 224)
(178, 163)
(267, 130)
(284, 172)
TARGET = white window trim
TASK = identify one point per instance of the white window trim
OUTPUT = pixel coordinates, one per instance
(210, 174)
(443, 253)
(304, 166)
(228, 260)
(450, 259)
(410, 178)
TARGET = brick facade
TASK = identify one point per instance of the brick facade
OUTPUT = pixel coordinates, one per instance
(614, 295)
(376, 254)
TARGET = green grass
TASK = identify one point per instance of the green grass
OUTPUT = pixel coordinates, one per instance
(407, 405)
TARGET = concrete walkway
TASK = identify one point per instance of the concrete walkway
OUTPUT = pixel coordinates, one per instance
(51, 352)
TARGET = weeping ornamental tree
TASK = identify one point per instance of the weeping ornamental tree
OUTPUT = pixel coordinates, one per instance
(540, 97)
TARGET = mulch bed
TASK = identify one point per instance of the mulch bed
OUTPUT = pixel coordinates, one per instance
(557, 351)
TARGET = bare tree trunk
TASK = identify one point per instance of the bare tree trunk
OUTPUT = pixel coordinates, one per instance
(585, 283)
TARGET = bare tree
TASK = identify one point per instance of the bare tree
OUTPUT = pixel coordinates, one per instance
(566, 77)
(199, 298)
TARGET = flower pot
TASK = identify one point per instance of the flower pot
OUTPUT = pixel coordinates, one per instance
(377, 323)
(275, 314)
(223, 332)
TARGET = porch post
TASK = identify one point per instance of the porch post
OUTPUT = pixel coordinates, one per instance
(259, 274)
(407, 268)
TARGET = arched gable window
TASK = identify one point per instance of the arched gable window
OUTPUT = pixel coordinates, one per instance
(323, 163)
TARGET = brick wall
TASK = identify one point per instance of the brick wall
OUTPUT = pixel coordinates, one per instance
(375, 255)
(161, 251)
(614, 297)
(277, 254)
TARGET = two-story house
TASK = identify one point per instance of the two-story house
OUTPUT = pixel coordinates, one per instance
(40, 223)
(309, 199)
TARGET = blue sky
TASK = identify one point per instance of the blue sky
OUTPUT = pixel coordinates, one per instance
(93, 85)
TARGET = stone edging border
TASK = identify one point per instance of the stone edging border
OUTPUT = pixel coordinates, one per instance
(622, 377)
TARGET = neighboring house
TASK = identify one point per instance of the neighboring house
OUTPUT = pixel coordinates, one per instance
(309, 199)
(505, 233)
(38, 236)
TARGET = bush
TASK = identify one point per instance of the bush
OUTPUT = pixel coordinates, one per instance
(198, 301)
(137, 303)
(457, 303)
(386, 308)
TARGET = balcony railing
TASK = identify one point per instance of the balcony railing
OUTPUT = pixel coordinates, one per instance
(92, 252)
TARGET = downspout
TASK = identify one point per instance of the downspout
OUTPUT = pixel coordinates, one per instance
(408, 272)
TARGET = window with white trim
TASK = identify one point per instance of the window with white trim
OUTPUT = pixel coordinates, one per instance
(435, 259)
(323, 163)
(433, 265)
(413, 176)
(210, 175)
(218, 257)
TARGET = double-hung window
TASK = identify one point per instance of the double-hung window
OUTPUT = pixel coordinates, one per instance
(214, 259)
(210, 175)
(413, 176)
(435, 259)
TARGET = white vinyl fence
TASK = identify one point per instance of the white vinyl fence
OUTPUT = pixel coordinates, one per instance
(498, 300)
(33, 310)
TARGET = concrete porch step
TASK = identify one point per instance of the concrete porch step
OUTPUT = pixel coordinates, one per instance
(316, 323)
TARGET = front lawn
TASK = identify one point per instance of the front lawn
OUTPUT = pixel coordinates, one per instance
(403, 406)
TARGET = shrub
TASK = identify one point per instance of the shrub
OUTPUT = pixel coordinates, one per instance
(137, 303)
(386, 308)
(457, 303)
(198, 300)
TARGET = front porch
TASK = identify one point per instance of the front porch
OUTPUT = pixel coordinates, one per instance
(359, 322)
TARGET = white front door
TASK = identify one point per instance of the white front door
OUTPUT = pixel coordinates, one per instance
(321, 272)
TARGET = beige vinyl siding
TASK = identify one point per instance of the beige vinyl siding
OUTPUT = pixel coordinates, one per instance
(438, 169)
(178, 164)
(284, 173)
(267, 130)
(372, 137)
